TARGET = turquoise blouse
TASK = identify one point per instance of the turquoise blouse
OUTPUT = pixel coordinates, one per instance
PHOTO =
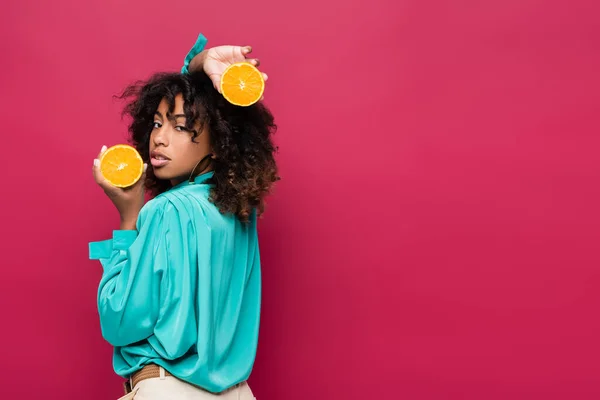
(183, 291)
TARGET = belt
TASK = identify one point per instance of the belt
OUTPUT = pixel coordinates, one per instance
(149, 371)
(153, 371)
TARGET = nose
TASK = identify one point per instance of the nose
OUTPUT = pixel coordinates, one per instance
(160, 136)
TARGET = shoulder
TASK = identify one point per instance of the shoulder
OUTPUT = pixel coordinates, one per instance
(182, 205)
(153, 207)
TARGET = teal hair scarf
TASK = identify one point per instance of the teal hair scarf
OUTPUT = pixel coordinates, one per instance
(194, 51)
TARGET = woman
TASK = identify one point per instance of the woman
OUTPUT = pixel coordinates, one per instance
(179, 298)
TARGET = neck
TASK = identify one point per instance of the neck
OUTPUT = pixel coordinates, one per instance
(188, 177)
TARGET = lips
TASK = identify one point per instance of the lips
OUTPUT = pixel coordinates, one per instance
(158, 159)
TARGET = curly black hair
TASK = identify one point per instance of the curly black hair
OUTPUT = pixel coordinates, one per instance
(241, 138)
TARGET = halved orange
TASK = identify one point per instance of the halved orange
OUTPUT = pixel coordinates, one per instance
(242, 84)
(121, 165)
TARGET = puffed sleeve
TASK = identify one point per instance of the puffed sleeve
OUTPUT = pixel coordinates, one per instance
(129, 291)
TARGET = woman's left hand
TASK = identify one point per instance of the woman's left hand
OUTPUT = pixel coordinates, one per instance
(215, 60)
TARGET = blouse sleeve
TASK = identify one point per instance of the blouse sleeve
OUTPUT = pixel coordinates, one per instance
(129, 291)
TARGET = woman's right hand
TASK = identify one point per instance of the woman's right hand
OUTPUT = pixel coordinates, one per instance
(214, 61)
(129, 201)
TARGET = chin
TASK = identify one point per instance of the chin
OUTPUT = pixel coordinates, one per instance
(161, 174)
(166, 175)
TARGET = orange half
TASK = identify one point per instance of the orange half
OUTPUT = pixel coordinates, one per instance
(121, 165)
(242, 84)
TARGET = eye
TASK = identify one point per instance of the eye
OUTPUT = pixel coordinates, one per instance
(180, 128)
(156, 125)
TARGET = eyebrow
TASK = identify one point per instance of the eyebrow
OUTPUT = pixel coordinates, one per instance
(170, 116)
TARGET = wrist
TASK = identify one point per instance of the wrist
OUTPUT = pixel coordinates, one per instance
(128, 224)
(197, 63)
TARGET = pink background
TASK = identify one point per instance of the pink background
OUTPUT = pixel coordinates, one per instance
(435, 234)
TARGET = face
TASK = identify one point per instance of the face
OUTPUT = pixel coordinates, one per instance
(173, 154)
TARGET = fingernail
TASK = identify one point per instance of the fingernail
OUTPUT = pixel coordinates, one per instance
(96, 162)
(265, 77)
(145, 167)
(103, 149)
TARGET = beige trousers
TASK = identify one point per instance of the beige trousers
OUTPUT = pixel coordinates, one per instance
(171, 388)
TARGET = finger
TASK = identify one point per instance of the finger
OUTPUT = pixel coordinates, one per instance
(265, 76)
(252, 61)
(143, 177)
(217, 83)
(246, 50)
(97, 173)
(102, 150)
(216, 80)
(99, 178)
